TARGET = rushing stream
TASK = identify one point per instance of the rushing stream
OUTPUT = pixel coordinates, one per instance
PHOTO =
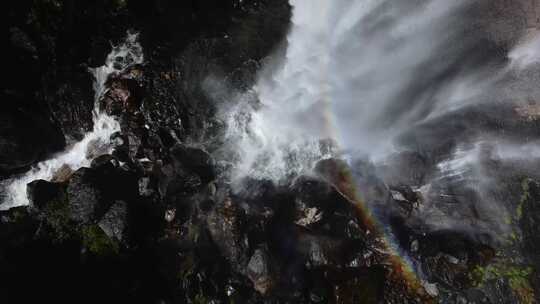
(80, 154)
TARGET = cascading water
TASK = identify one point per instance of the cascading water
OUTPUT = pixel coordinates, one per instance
(118, 60)
(350, 72)
(363, 74)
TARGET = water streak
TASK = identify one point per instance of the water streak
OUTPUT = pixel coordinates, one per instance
(78, 155)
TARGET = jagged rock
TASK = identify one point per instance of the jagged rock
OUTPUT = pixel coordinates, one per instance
(97, 147)
(124, 95)
(226, 226)
(83, 195)
(321, 250)
(25, 136)
(315, 193)
(406, 198)
(41, 192)
(145, 189)
(62, 175)
(260, 271)
(320, 207)
(195, 160)
(450, 257)
(114, 222)
(121, 146)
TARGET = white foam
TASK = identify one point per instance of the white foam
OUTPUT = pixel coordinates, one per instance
(527, 53)
(120, 58)
(338, 80)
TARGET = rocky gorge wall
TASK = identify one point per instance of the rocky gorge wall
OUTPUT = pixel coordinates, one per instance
(156, 220)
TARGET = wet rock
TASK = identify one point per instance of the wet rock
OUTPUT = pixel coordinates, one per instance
(145, 188)
(40, 192)
(365, 285)
(337, 173)
(529, 220)
(260, 272)
(121, 146)
(71, 98)
(450, 257)
(321, 250)
(315, 193)
(25, 136)
(405, 197)
(21, 40)
(83, 195)
(226, 226)
(195, 160)
(319, 207)
(62, 175)
(175, 182)
(124, 95)
(114, 181)
(97, 147)
(114, 222)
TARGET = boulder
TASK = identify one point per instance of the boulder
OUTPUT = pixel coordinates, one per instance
(114, 222)
(226, 226)
(63, 174)
(124, 95)
(260, 271)
(195, 160)
(25, 136)
(41, 192)
(83, 195)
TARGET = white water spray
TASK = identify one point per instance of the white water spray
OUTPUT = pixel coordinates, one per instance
(119, 59)
(363, 73)
(357, 72)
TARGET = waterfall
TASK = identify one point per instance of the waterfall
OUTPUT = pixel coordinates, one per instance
(118, 60)
(358, 75)
(348, 70)
(362, 73)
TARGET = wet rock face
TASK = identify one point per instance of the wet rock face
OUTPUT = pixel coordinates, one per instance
(156, 222)
(226, 226)
(195, 160)
(124, 95)
(260, 271)
(25, 136)
(83, 197)
(114, 221)
(40, 192)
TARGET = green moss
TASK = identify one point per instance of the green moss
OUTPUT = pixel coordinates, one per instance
(56, 214)
(516, 276)
(97, 242)
(525, 196)
(200, 299)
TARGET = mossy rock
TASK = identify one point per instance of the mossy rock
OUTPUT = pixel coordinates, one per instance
(97, 242)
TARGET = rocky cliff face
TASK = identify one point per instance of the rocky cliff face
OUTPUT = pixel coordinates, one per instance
(157, 220)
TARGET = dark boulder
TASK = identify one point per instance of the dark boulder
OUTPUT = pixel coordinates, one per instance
(449, 257)
(41, 192)
(196, 160)
(226, 224)
(84, 196)
(25, 136)
(114, 222)
(124, 95)
(261, 272)
(114, 181)
(529, 213)
(176, 182)
(320, 207)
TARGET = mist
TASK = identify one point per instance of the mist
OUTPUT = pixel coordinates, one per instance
(371, 80)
